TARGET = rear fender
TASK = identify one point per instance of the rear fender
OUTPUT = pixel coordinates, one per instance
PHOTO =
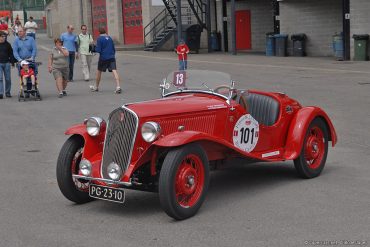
(93, 144)
(298, 128)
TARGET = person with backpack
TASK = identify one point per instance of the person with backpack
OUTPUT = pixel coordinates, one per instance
(85, 41)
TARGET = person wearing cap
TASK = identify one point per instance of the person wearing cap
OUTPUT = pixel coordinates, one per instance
(27, 73)
(70, 40)
(31, 28)
(6, 58)
(182, 51)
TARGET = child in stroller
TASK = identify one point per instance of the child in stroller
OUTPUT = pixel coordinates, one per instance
(28, 80)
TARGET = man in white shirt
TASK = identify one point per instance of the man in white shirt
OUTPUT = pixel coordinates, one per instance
(84, 39)
(31, 28)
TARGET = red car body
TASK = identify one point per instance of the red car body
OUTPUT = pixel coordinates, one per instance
(212, 123)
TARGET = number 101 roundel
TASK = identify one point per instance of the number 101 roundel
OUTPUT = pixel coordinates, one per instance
(246, 133)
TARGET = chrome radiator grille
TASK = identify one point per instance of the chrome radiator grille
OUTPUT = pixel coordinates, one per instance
(119, 139)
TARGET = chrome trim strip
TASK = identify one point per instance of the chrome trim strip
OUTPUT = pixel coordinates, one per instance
(132, 143)
(196, 91)
(109, 181)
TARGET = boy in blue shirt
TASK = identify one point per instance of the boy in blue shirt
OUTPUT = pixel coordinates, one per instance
(69, 40)
(105, 48)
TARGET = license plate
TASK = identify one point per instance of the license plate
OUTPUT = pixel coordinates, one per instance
(107, 193)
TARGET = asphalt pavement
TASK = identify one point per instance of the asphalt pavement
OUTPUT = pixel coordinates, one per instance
(247, 205)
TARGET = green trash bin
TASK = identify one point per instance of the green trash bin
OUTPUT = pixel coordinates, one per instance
(361, 47)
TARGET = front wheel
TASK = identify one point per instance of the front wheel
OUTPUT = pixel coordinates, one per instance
(183, 181)
(75, 190)
(312, 158)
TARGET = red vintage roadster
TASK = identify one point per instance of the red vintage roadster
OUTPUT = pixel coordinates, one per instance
(168, 145)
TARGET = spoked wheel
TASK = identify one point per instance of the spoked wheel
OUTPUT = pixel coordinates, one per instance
(75, 190)
(311, 161)
(183, 181)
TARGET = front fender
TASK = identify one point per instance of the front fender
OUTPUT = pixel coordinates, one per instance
(93, 145)
(298, 128)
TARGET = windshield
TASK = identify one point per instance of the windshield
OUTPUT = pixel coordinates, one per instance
(197, 80)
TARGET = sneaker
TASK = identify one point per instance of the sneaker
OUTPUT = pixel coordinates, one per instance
(8, 95)
(1, 96)
(60, 95)
(87, 79)
(64, 93)
(93, 88)
(118, 90)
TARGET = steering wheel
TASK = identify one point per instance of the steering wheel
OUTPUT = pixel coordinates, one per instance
(223, 90)
(243, 103)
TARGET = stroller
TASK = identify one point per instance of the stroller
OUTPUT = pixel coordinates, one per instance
(26, 92)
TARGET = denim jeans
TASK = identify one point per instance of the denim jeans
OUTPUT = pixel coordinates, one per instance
(33, 35)
(71, 61)
(5, 72)
(183, 64)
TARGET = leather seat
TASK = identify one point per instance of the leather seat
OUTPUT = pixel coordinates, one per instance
(263, 108)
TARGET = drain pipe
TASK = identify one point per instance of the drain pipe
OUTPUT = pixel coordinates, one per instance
(81, 12)
(179, 21)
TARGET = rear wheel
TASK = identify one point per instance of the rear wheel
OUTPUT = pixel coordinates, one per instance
(311, 161)
(183, 181)
(75, 190)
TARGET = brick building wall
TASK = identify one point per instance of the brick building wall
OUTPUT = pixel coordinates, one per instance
(318, 19)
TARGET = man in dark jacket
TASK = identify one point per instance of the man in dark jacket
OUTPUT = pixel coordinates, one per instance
(6, 58)
(107, 60)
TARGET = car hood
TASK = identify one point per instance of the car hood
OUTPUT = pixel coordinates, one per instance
(177, 105)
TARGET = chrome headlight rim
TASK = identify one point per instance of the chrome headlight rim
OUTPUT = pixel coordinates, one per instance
(93, 125)
(114, 171)
(150, 131)
(85, 167)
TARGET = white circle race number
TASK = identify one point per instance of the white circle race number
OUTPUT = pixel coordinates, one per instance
(246, 133)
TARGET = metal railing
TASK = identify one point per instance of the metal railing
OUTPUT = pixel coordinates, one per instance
(159, 24)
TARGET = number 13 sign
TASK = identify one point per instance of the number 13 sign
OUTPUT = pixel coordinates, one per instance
(179, 78)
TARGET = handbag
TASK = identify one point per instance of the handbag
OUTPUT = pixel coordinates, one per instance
(92, 48)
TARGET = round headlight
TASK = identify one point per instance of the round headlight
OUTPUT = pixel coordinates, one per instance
(85, 167)
(93, 125)
(150, 131)
(114, 171)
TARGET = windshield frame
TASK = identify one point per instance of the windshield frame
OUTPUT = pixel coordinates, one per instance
(165, 83)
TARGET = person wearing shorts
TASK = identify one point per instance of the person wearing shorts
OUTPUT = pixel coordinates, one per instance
(107, 61)
(59, 65)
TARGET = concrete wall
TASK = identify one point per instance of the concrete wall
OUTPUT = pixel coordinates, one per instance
(115, 20)
(261, 21)
(60, 13)
(360, 19)
(318, 19)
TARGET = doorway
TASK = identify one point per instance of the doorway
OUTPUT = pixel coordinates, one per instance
(132, 22)
(243, 30)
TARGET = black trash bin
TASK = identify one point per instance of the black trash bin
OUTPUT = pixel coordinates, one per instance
(299, 44)
(193, 37)
(281, 45)
(361, 47)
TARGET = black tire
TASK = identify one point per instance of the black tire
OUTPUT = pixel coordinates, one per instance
(168, 176)
(64, 171)
(304, 169)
